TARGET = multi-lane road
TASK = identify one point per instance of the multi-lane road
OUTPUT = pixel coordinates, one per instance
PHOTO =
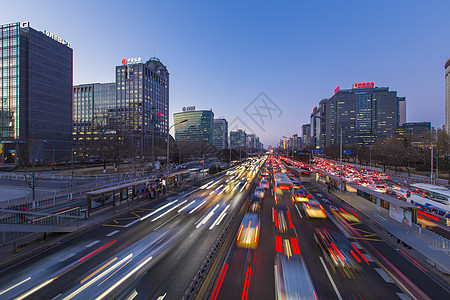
(156, 250)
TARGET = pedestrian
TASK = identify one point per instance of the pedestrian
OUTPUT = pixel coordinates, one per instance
(158, 191)
(164, 189)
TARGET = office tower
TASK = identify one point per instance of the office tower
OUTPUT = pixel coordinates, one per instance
(198, 127)
(220, 133)
(36, 94)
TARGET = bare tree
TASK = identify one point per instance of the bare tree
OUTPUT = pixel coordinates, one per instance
(32, 157)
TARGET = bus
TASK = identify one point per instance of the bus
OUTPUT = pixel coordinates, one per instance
(282, 183)
(248, 234)
(430, 197)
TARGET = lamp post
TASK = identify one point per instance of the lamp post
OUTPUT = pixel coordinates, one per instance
(167, 165)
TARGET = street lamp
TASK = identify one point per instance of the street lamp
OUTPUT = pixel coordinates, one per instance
(167, 165)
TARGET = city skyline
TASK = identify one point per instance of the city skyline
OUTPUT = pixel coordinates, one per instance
(296, 54)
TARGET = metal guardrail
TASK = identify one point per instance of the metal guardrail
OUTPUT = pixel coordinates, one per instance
(22, 221)
(436, 241)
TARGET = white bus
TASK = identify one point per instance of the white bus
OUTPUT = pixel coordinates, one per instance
(430, 197)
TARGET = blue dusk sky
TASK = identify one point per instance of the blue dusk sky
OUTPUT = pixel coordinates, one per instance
(223, 54)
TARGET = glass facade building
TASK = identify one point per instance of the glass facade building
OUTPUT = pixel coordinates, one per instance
(238, 139)
(220, 133)
(365, 114)
(137, 100)
(142, 101)
(35, 92)
(198, 127)
(94, 106)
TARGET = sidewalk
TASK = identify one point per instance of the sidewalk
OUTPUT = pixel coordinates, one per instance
(435, 257)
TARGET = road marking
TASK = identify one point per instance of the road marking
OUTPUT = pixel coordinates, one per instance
(402, 296)
(66, 257)
(132, 295)
(384, 275)
(298, 211)
(112, 233)
(92, 244)
(57, 296)
(162, 297)
(380, 216)
(165, 223)
(112, 225)
(357, 245)
(331, 279)
(368, 257)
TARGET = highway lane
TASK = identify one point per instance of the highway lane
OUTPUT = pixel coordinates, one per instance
(248, 273)
(148, 235)
(380, 249)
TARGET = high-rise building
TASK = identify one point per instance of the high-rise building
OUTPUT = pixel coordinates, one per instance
(136, 104)
(318, 128)
(306, 135)
(447, 96)
(36, 71)
(94, 109)
(142, 100)
(402, 110)
(365, 112)
(220, 133)
(198, 127)
(238, 139)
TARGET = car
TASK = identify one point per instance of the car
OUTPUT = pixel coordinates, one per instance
(313, 209)
(336, 254)
(265, 184)
(301, 195)
(259, 192)
(380, 188)
(248, 235)
(282, 220)
(292, 279)
(255, 206)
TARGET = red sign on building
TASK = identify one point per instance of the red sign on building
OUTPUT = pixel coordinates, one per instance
(124, 61)
(336, 90)
(363, 85)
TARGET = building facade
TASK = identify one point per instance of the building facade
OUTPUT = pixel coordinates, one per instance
(447, 96)
(366, 113)
(136, 106)
(198, 127)
(238, 139)
(318, 128)
(36, 72)
(94, 107)
(142, 101)
(220, 133)
(306, 135)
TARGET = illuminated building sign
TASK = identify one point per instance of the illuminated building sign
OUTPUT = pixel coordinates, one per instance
(56, 38)
(363, 85)
(314, 108)
(131, 61)
(24, 24)
(336, 90)
(189, 108)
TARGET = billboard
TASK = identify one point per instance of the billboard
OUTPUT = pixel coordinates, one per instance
(348, 152)
(400, 215)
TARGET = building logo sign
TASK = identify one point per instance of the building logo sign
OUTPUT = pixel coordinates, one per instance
(24, 24)
(131, 61)
(363, 85)
(56, 38)
(189, 108)
(336, 90)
